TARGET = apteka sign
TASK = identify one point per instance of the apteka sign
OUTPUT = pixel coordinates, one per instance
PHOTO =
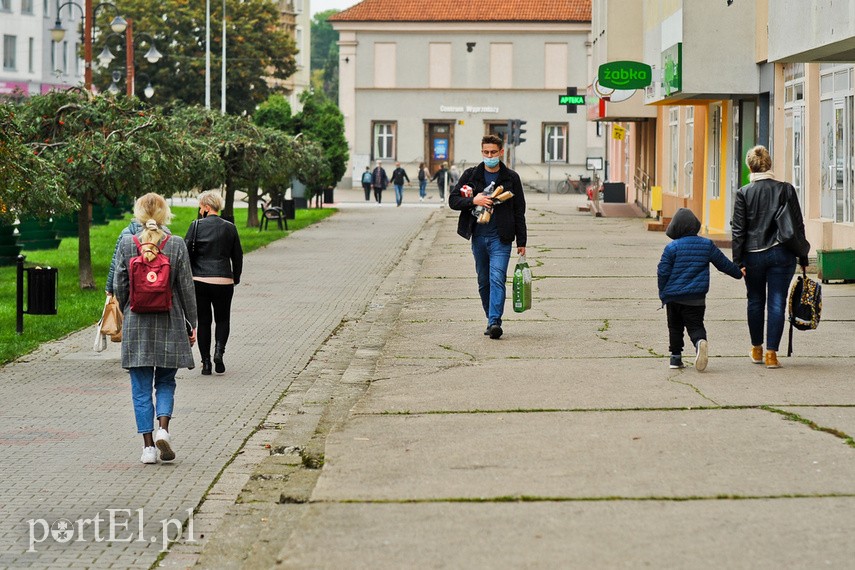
(625, 75)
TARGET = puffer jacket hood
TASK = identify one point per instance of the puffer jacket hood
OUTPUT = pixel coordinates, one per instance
(684, 223)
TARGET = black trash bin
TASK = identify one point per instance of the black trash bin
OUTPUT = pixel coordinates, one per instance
(328, 195)
(290, 209)
(41, 290)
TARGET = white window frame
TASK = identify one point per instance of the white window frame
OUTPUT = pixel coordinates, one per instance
(384, 140)
(674, 150)
(555, 138)
(689, 159)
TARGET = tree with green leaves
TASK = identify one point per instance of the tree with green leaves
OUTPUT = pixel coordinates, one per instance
(106, 148)
(321, 122)
(29, 185)
(257, 48)
(324, 66)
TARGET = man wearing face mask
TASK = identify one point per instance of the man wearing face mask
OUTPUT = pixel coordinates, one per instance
(491, 241)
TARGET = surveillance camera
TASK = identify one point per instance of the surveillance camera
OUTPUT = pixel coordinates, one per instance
(470, 46)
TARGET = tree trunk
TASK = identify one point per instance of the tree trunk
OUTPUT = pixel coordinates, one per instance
(228, 212)
(252, 205)
(84, 251)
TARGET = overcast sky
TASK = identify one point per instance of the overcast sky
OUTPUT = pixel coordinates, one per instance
(322, 5)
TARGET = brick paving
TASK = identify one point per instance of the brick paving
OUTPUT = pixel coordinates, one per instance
(67, 427)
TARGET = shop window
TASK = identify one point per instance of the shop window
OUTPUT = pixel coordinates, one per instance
(689, 163)
(384, 140)
(837, 180)
(674, 150)
(555, 143)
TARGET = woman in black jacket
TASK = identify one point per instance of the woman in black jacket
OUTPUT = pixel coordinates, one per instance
(767, 264)
(216, 260)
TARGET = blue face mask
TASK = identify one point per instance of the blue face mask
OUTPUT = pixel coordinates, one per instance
(491, 162)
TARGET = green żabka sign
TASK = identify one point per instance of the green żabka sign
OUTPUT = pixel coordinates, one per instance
(625, 75)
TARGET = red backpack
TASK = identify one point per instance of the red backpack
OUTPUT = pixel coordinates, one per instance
(150, 283)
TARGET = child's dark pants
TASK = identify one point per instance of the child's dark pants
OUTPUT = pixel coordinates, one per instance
(688, 317)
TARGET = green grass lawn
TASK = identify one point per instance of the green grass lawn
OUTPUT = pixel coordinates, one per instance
(78, 309)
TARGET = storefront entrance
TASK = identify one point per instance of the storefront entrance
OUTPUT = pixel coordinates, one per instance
(439, 144)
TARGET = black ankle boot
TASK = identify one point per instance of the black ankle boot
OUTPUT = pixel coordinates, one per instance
(219, 366)
(206, 367)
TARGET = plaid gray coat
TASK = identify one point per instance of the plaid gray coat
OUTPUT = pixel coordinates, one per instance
(157, 339)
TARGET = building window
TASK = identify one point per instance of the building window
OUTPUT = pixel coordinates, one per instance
(439, 75)
(45, 8)
(837, 130)
(555, 66)
(298, 39)
(77, 60)
(298, 6)
(384, 140)
(26, 6)
(501, 66)
(52, 56)
(385, 64)
(555, 143)
(674, 150)
(9, 55)
(31, 55)
(6, 5)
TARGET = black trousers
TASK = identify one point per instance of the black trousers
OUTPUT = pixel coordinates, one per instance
(367, 187)
(378, 194)
(218, 297)
(688, 317)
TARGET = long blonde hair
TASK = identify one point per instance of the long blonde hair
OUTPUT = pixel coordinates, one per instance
(152, 211)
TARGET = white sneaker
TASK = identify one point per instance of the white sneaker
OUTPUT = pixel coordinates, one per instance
(149, 455)
(162, 441)
(702, 356)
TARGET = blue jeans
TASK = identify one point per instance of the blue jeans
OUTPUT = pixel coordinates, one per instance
(164, 387)
(767, 279)
(399, 193)
(422, 188)
(491, 264)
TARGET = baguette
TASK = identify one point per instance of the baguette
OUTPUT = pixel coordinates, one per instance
(497, 191)
(504, 196)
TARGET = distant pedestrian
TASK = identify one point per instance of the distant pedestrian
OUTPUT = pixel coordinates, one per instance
(366, 183)
(216, 259)
(379, 181)
(424, 175)
(684, 281)
(155, 345)
(491, 242)
(442, 180)
(399, 175)
(767, 264)
(453, 175)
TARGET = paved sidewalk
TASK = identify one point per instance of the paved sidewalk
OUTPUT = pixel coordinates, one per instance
(567, 443)
(70, 447)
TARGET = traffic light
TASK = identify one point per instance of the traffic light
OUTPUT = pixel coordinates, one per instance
(517, 132)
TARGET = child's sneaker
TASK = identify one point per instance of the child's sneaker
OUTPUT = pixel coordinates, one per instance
(702, 355)
(676, 361)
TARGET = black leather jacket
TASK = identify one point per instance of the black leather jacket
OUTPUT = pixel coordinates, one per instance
(509, 215)
(214, 247)
(753, 223)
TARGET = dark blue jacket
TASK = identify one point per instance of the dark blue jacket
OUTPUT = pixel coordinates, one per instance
(684, 270)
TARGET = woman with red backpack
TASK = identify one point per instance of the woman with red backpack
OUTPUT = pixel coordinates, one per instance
(159, 325)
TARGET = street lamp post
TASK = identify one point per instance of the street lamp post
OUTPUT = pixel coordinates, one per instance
(152, 55)
(118, 25)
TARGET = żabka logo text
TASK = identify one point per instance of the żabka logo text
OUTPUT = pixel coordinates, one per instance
(119, 525)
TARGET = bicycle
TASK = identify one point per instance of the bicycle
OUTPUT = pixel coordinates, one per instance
(578, 185)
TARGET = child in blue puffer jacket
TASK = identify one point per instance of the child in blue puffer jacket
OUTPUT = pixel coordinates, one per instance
(684, 280)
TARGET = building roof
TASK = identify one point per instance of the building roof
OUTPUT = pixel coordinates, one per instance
(466, 11)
